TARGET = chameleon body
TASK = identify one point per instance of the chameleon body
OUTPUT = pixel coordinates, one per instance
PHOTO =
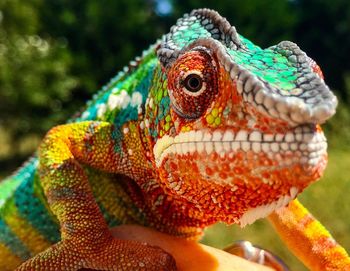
(204, 127)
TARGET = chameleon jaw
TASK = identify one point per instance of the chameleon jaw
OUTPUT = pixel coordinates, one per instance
(246, 171)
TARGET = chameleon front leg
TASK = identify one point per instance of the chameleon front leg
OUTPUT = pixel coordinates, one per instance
(86, 241)
(308, 239)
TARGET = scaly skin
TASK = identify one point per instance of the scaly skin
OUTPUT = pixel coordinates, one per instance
(204, 127)
(301, 231)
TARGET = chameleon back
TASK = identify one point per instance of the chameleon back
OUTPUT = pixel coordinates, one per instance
(23, 207)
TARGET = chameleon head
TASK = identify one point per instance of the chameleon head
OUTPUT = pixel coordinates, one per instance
(242, 136)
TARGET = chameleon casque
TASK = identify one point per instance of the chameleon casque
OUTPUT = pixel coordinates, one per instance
(204, 127)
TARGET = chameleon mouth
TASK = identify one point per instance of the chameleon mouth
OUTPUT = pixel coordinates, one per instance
(264, 210)
(307, 146)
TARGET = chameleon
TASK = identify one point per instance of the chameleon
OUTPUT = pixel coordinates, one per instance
(204, 127)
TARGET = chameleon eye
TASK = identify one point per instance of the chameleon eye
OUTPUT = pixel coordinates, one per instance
(193, 82)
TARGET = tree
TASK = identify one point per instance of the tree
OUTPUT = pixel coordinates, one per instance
(34, 79)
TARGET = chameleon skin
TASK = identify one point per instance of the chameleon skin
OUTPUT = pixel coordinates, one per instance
(204, 127)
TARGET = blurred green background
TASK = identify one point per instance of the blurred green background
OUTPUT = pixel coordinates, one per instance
(55, 54)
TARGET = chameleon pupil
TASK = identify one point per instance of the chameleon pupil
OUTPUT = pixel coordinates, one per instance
(193, 82)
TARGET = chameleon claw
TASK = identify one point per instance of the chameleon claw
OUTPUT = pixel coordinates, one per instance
(121, 255)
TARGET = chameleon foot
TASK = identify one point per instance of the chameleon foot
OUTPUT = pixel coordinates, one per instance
(115, 255)
(255, 254)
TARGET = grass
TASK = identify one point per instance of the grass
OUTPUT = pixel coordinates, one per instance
(328, 200)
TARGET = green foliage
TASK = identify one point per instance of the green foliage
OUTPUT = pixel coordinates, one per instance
(102, 35)
(34, 79)
(338, 128)
(323, 31)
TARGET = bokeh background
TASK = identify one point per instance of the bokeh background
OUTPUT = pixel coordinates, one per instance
(54, 54)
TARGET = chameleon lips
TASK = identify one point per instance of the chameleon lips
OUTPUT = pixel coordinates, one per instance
(302, 146)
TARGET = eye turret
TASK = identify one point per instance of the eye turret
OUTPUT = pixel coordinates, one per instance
(192, 83)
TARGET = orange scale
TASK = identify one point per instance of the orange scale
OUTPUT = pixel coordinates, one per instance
(195, 155)
(281, 174)
(215, 168)
(276, 186)
(263, 129)
(265, 187)
(250, 194)
(173, 166)
(174, 175)
(197, 176)
(240, 190)
(205, 198)
(240, 156)
(267, 162)
(250, 165)
(213, 156)
(265, 199)
(262, 156)
(185, 157)
(297, 169)
(209, 171)
(231, 158)
(194, 167)
(223, 175)
(237, 181)
(225, 167)
(233, 199)
(285, 124)
(257, 127)
(235, 129)
(242, 123)
(181, 162)
(220, 199)
(246, 170)
(256, 181)
(250, 155)
(222, 158)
